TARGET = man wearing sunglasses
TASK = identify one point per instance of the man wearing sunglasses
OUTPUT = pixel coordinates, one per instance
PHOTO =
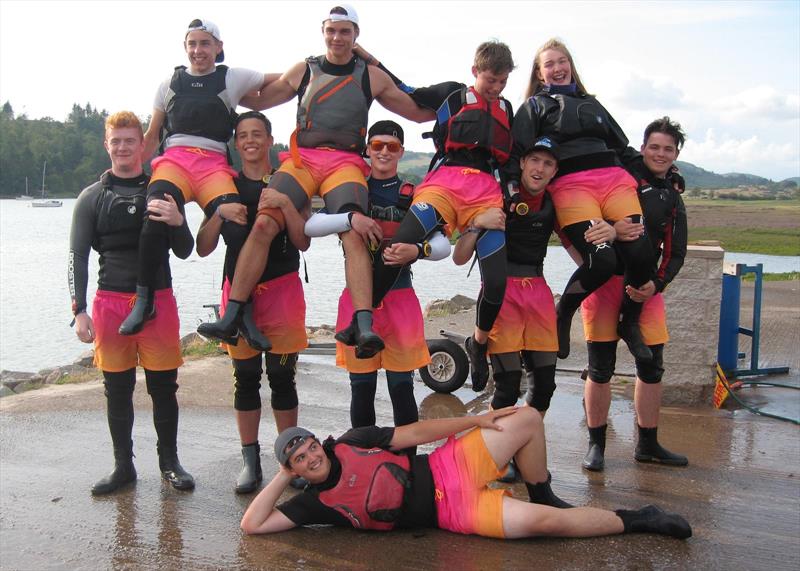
(367, 480)
(335, 91)
(398, 319)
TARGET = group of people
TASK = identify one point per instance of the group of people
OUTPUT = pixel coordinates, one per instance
(501, 182)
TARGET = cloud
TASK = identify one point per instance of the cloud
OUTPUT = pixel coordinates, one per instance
(727, 153)
(758, 103)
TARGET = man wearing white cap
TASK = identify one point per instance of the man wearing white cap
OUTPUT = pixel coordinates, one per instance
(195, 109)
(335, 91)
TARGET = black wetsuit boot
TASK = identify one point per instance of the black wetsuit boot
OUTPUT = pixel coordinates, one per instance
(250, 331)
(649, 450)
(251, 474)
(143, 310)
(162, 386)
(595, 457)
(629, 331)
(478, 366)
(652, 519)
(119, 410)
(542, 493)
(360, 334)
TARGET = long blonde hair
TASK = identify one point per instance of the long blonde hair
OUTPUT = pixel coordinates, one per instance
(535, 85)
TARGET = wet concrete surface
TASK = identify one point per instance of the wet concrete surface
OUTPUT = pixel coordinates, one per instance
(740, 492)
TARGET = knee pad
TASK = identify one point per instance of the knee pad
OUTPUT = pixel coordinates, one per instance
(280, 374)
(651, 372)
(159, 188)
(602, 360)
(490, 242)
(492, 263)
(506, 388)
(119, 384)
(247, 375)
(541, 386)
(420, 220)
(396, 379)
(160, 383)
(215, 203)
(347, 197)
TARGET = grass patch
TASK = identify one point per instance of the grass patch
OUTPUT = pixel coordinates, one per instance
(778, 277)
(201, 349)
(772, 241)
(73, 378)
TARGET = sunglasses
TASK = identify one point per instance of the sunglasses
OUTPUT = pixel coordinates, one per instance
(377, 146)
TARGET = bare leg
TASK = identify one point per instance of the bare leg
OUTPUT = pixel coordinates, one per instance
(647, 401)
(597, 399)
(357, 269)
(523, 519)
(522, 438)
(253, 257)
(285, 419)
(247, 422)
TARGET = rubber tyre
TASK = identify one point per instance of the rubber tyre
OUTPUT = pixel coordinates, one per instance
(448, 368)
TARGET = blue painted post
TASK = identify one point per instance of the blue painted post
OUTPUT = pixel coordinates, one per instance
(728, 347)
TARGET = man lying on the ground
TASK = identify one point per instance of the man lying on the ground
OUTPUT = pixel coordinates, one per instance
(364, 479)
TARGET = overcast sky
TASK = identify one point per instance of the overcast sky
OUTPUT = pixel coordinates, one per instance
(729, 72)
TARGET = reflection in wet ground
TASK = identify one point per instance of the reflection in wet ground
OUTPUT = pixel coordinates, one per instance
(740, 492)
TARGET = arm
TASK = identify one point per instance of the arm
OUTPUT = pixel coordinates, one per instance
(465, 246)
(440, 247)
(295, 222)
(674, 247)
(168, 211)
(261, 515)
(152, 136)
(490, 219)
(275, 91)
(211, 228)
(80, 244)
(324, 224)
(426, 431)
(401, 254)
(392, 98)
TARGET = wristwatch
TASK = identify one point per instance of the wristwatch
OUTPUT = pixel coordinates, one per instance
(424, 250)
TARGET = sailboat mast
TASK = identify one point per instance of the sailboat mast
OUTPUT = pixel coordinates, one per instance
(44, 170)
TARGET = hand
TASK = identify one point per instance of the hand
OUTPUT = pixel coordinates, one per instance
(369, 230)
(488, 420)
(678, 182)
(643, 293)
(271, 198)
(165, 211)
(234, 212)
(400, 254)
(84, 328)
(491, 219)
(601, 231)
(627, 230)
(364, 54)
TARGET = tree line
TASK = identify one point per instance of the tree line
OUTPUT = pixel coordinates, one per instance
(73, 150)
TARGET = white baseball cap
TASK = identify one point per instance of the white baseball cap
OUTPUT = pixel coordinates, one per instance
(349, 15)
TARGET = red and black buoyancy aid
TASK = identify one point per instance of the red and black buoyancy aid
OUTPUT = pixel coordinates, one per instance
(390, 217)
(371, 490)
(467, 122)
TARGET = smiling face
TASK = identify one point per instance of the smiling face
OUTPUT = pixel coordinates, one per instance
(554, 68)
(659, 153)
(252, 141)
(538, 169)
(488, 84)
(339, 39)
(125, 146)
(202, 49)
(310, 462)
(384, 161)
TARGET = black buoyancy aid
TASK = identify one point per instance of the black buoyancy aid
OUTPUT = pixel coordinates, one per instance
(527, 234)
(568, 117)
(119, 217)
(390, 217)
(333, 111)
(199, 105)
(466, 121)
(371, 490)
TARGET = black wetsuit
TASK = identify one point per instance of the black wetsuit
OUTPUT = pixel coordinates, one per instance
(283, 258)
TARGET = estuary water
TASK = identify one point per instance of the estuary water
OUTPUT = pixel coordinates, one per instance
(35, 304)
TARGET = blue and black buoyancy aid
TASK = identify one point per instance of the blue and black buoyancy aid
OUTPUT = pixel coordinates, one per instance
(199, 105)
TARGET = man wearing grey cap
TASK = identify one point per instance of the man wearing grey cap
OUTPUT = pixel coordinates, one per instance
(366, 480)
(194, 111)
(335, 91)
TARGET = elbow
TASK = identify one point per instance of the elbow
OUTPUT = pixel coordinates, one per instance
(247, 527)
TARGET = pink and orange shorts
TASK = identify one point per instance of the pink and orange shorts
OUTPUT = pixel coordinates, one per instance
(202, 175)
(459, 194)
(608, 193)
(279, 309)
(461, 470)
(527, 319)
(399, 323)
(600, 312)
(325, 169)
(156, 347)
